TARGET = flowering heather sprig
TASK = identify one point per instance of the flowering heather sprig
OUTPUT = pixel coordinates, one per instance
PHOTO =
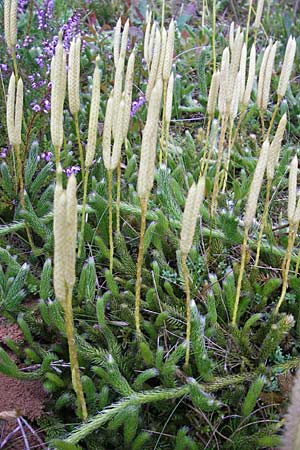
(137, 104)
(3, 153)
(71, 170)
(44, 14)
(45, 155)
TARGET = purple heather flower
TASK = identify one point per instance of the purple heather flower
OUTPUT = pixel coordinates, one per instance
(36, 108)
(73, 169)
(45, 155)
(4, 67)
(137, 104)
(3, 152)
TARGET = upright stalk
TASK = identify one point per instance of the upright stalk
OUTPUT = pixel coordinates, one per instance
(214, 36)
(237, 129)
(139, 266)
(110, 221)
(204, 157)
(81, 157)
(76, 381)
(185, 273)
(218, 166)
(248, 22)
(263, 221)
(240, 279)
(13, 55)
(273, 116)
(118, 201)
(228, 157)
(81, 239)
(285, 273)
(262, 119)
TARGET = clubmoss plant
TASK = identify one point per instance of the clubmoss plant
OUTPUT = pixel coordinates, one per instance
(189, 220)
(65, 233)
(293, 218)
(273, 158)
(250, 212)
(91, 144)
(145, 183)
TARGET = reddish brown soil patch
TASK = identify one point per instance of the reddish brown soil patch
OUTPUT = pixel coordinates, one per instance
(10, 330)
(27, 398)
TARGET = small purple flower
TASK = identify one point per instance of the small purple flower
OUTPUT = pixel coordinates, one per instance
(36, 108)
(73, 169)
(137, 104)
(4, 67)
(3, 153)
(45, 155)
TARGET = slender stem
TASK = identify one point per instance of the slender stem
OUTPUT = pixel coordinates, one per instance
(118, 201)
(167, 142)
(22, 191)
(218, 166)
(84, 201)
(76, 381)
(214, 36)
(13, 55)
(110, 222)
(204, 156)
(240, 279)
(248, 22)
(139, 266)
(285, 273)
(228, 157)
(263, 221)
(185, 273)
(81, 157)
(262, 119)
(163, 128)
(241, 118)
(203, 13)
(273, 116)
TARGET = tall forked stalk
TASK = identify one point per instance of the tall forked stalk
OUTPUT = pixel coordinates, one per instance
(240, 279)
(248, 22)
(185, 273)
(110, 221)
(144, 202)
(218, 166)
(263, 221)
(273, 116)
(285, 273)
(76, 381)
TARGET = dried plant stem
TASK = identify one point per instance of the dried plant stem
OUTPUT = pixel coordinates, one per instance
(118, 200)
(240, 279)
(214, 35)
(285, 273)
(185, 273)
(167, 142)
(228, 157)
(69, 322)
(263, 221)
(13, 55)
(274, 115)
(248, 22)
(205, 156)
(81, 157)
(110, 221)
(139, 266)
(164, 137)
(84, 201)
(218, 166)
